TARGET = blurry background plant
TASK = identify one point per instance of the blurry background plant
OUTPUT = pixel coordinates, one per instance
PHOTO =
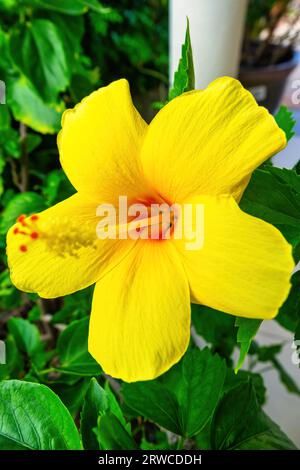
(269, 48)
(53, 53)
(266, 42)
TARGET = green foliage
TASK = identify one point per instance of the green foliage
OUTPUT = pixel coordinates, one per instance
(247, 329)
(112, 435)
(240, 424)
(289, 313)
(73, 350)
(69, 7)
(38, 53)
(33, 417)
(184, 77)
(273, 195)
(98, 402)
(72, 394)
(41, 117)
(198, 378)
(285, 121)
(285, 378)
(269, 354)
(216, 327)
(28, 339)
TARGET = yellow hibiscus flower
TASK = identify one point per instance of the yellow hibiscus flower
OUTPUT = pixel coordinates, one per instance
(200, 148)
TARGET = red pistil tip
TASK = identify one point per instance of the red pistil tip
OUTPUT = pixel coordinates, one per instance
(23, 248)
(34, 235)
(21, 220)
(16, 230)
(34, 217)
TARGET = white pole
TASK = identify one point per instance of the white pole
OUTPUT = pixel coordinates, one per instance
(216, 28)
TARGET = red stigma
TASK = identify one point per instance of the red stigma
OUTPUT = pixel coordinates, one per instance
(34, 235)
(34, 217)
(23, 248)
(16, 230)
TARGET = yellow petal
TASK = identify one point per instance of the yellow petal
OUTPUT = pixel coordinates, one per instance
(245, 264)
(100, 141)
(208, 142)
(140, 321)
(67, 255)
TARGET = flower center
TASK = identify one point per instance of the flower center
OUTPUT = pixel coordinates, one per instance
(155, 221)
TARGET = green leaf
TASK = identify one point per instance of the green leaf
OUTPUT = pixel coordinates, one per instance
(97, 402)
(290, 177)
(96, 6)
(68, 7)
(72, 395)
(285, 121)
(216, 327)
(27, 336)
(23, 203)
(76, 306)
(33, 417)
(73, 350)
(267, 353)
(198, 378)
(8, 4)
(112, 435)
(56, 187)
(4, 117)
(247, 329)
(71, 38)
(32, 142)
(28, 107)
(5, 59)
(271, 197)
(2, 166)
(39, 53)
(9, 296)
(285, 378)
(184, 77)
(289, 313)
(154, 401)
(28, 339)
(10, 143)
(159, 441)
(239, 424)
(34, 314)
(114, 407)
(243, 377)
(201, 379)
(101, 19)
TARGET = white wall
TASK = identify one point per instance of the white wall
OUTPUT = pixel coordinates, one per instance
(216, 31)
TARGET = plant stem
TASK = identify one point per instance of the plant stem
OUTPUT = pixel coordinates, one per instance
(180, 443)
(14, 174)
(154, 73)
(24, 173)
